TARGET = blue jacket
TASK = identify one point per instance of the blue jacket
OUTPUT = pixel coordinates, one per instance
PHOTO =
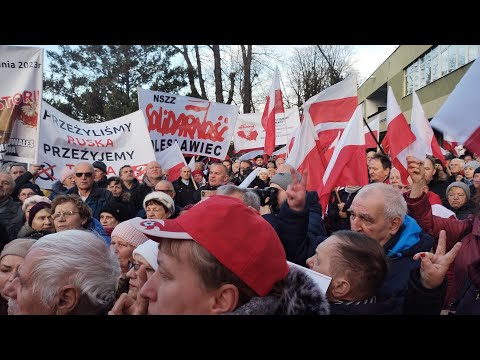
(400, 249)
(97, 199)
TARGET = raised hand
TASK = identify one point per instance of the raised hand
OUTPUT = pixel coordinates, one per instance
(434, 266)
(126, 305)
(296, 191)
(417, 174)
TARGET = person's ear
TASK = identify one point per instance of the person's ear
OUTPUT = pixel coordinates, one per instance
(84, 220)
(225, 299)
(395, 225)
(66, 300)
(340, 288)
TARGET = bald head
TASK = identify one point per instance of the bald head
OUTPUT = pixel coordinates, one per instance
(185, 173)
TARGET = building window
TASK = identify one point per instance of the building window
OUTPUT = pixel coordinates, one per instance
(439, 61)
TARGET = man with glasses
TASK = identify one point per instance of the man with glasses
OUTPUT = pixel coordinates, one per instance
(95, 197)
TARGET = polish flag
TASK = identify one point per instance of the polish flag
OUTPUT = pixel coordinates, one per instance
(399, 136)
(347, 166)
(273, 108)
(331, 148)
(281, 153)
(171, 159)
(459, 116)
(369, 138)
(450, 144)
(191, 164)
(331, 109)
(305, 155)
(425, 143)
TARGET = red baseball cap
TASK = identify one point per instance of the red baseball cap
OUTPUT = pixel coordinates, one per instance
(236, 235)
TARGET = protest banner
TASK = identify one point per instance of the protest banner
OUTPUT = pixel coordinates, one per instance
(64, 141)
(200, 127)
(21, 85)
(250, 134)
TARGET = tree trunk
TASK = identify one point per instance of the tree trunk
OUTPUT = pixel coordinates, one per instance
(247, 84)
(232, 88)
(190, 70)
(200, 74)
(217, 71)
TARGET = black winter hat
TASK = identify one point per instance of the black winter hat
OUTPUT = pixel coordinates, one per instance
(36, 208)
(100, 165)
(118, 210)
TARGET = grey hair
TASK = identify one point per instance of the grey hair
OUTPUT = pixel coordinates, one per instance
(9, 176)
(393, 201)
(79, 258)
(249, 197)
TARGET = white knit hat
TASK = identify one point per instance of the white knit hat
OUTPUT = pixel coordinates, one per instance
(149, 251)
(35, 199)
(128, 233)
(161, 197)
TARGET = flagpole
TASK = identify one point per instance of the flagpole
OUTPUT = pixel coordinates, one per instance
(373, 135)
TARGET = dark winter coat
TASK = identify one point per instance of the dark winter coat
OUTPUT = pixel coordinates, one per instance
(97, 199)
(57, 189)
(299, 231)
(299, 296)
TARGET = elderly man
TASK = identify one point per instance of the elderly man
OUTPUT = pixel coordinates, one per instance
(66, 273)
(379, 211)
(217, 176)
(86, 187)
(152, 176)
(184, 188)
(100, 175)
(21, 176)
(11, 214)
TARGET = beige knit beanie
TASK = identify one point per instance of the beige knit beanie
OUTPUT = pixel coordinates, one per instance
(128, 233)
(18, 247)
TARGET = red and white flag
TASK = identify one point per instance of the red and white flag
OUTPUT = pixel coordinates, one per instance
(371, 136)
(347, 166)
(450, 144)
(399, 136)
(273, 108)
(171, 159)
(305, 155)
(331, 148)
(331, 109)
(459, 116)
(426, 142)
(191, 164)
(281, 153)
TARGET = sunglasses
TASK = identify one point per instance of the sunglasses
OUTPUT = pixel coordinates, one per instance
(87, 174)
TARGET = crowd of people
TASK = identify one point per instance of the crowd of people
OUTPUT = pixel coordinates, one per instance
(210, 243)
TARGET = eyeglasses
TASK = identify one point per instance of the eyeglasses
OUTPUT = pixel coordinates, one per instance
(136, 266)
(87, 174)
(65, 213)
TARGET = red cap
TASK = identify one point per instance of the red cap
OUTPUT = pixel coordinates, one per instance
(236, 235)
(195, 172)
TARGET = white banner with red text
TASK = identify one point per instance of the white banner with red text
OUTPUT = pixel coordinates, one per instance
(65, 141)
(250, 134)
(200, 127)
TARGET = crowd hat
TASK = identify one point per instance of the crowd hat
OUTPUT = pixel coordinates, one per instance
(162, 198)
(253, 252)
(149, 251)
(100, 165)
(127, 232)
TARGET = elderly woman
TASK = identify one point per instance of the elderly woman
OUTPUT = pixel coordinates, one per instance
(145, 254)
(69, 212)
(158, 205)
(40, 221)
(261, 181)
(10, 258)
(28, 204)
(112, 215)
(458, 196)
(65, 183)
(125, 239)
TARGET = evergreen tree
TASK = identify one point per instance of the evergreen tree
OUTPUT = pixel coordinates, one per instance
(94, 83)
